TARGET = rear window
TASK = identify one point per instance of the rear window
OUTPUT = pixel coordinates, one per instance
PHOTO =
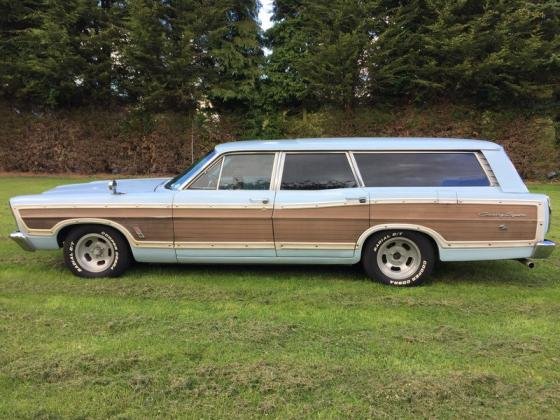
(421, 170)
(317, 171)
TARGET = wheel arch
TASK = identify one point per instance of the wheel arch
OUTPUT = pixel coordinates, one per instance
(64, 228)
(435, 238)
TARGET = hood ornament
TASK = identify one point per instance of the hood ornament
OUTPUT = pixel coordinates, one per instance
(112, 185)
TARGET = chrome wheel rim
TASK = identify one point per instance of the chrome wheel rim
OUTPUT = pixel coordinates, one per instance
(95, 252)
(399, 258)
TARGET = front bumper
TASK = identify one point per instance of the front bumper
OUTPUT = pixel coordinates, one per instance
(544, 249)
(22, 241)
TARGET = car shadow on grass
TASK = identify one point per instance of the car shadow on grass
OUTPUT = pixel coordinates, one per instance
(483, 272)
(265, 271)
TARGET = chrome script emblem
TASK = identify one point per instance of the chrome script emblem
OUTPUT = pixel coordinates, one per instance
(508, 214)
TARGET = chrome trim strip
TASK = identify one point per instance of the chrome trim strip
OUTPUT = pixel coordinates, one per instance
(483, 162)
(441, 242)
(188, 182)
(224, 245)
(220, 173)
(274, 175)
(202, 171)
(92, 206)
(356, 170)
(357, 179)
(319, 205)
(224, 206)
(279, 168)
(315, 245)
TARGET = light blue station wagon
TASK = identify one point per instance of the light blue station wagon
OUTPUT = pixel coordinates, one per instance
(397, 205)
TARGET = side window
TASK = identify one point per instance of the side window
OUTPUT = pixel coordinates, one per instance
(317, 171)
(247, 172)
(421, 170)
(208, 180)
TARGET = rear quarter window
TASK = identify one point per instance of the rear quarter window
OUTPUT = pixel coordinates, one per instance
(421, 170)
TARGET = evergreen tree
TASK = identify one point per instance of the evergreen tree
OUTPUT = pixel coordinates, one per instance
(318, 51)
(57, 52)
(156, 42)
(182, 52)
(101, 39)
(496, 51)
(229, 51)
(488, 52)
(399, 65)
(17, 18)
(52, 66)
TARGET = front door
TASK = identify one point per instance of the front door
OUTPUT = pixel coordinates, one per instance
(320, 211)
(227, 210)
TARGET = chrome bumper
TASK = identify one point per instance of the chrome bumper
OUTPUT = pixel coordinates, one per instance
(22, 241)
(543, 249)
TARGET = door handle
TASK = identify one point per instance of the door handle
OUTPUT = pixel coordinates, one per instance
(263, 200)
(361, 200)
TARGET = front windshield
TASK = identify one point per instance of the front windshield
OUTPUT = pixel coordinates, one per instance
(180, 179)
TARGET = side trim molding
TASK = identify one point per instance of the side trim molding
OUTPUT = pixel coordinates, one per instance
(440, 241)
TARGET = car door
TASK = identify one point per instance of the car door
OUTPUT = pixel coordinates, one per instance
(227, 210)
(320, 210)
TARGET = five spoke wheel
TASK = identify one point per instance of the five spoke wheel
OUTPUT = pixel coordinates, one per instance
(94, 252)
(398, 258)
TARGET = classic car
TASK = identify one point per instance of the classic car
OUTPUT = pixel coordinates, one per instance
(397, 205)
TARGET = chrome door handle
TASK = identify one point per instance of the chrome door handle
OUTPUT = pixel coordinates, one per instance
(361, 200)
(260, 200)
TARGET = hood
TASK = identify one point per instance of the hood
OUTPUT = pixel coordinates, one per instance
(123, 186)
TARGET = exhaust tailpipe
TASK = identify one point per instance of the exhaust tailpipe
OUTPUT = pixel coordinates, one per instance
(527, 262)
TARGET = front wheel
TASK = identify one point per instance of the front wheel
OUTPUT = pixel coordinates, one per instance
(398, 258)
(96, 251)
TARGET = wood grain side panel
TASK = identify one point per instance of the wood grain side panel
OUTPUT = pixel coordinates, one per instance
(153, 224)
(223, 225)
(342, 224)
(152, 229)
(464, 222)
(43, 222)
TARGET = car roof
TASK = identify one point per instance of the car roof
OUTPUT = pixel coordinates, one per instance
(358, 143)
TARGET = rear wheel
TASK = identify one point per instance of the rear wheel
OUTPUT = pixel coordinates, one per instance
(398, 258)
(96, 251)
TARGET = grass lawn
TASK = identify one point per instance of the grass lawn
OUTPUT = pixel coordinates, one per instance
(480, 339)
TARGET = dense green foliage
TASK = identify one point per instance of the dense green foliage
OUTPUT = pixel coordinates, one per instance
(185, 55)
(480, 340)
(486, 52)
(157, 55)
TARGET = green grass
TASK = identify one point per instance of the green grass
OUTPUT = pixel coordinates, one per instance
(481, 339)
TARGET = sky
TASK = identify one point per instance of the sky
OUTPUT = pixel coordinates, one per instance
(265, 13)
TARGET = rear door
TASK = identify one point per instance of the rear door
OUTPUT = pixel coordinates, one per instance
(320, 210)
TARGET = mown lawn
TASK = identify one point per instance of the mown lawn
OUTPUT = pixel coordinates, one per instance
(479, 340)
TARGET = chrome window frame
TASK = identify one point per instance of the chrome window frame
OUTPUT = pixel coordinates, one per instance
(222, 156)
(280, 158)
(357, 177)
(201, 173)
(476, 154)
(485, 165)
